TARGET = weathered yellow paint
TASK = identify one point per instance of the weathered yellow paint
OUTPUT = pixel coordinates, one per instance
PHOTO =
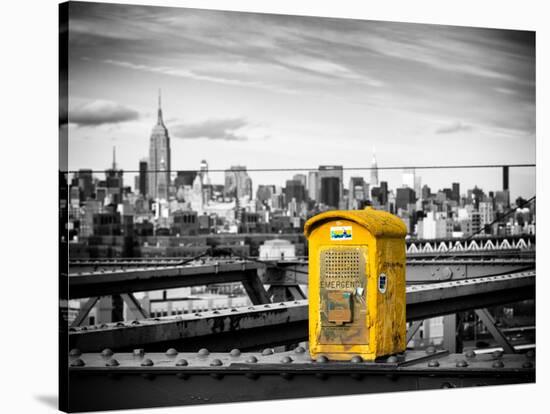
(378, 322)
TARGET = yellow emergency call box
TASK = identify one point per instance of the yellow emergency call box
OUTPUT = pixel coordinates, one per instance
(356, 284)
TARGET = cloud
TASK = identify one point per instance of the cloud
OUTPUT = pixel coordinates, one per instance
(453, 128)
(100, 112)
(189, 74)
(218, 129)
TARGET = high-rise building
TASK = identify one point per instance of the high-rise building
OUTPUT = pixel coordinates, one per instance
(502, 200)
(384, 192)
(380, 195)
(426, 192)
(476, 195)
(358, 193)
(159, 159)
(435, 226)
(486, 214)
(456, 192)
(505, 178)
(313, 185)
(114, 182)
(330, 191)
(237, 182)
(204, 173)
(374, 171)
(404, 197)
(85, 184)
(331, 171)
(302, 178)
(184, 178)
(294, 189)
(264, 192)
(142, 181)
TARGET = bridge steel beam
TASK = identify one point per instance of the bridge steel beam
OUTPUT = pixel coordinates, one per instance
(84, 265)
(286, 322)
(438, 299)
(246, 327)
(122, 381)
(417, 271)
(104, 283)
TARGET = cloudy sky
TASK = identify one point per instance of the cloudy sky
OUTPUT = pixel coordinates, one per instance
(282, 91)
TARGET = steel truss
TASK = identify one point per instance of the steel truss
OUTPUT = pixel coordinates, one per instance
(139, 379)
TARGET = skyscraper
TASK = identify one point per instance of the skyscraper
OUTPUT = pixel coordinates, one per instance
(85, 184)
(404, 197)
(374, 171)
(456, 192)
(295, 189)
(330, 191)
(143, 178)
(204, 173)
(313, 185)
(159, 159)
(113, 182)
(331, 171)
(505, 178)
(237, 182)
(358, 193)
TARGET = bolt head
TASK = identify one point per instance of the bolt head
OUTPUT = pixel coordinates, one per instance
(433, 364)
(107, 352)
(430, 350)
(147, 363)
(203, 352)
(182, 363)
(77, 363)
(112, 363)
(498, 364)
(216, 363)
(268, 351)
(251, 359)
(286, 360)
(470, 354)
(171, 352)
(235, 352)
(300, 350)
(392, 359)
(497, 354)
(356, 359)
(322, 359)
(139, 352)
(75, 352)
(461, 364)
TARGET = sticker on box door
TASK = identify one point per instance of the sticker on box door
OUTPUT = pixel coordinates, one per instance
(340, 233)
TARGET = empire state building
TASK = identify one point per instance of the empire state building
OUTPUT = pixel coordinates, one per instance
(159, 159)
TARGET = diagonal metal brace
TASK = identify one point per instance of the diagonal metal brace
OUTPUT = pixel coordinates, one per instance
(84, 311)
(413, 329)
(489, 323)
(134, 306)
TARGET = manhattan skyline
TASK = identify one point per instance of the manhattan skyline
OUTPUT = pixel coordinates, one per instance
(274, 91)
